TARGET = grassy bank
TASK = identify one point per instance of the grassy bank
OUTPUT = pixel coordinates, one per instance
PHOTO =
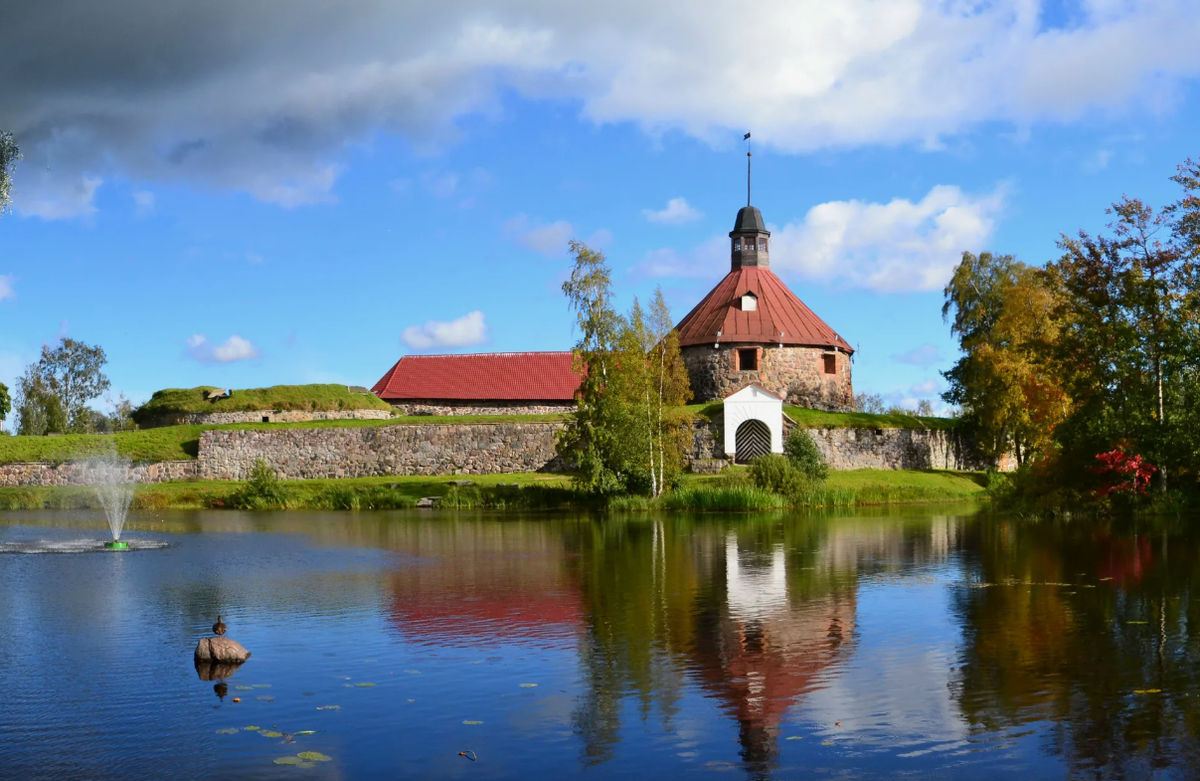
(526, 492)
(325, 398)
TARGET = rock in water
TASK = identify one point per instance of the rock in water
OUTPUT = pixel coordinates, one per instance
(220, 650)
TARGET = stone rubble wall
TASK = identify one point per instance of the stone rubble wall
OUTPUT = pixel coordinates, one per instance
(256, 416)
(896, 448)
(859, 448)
(481, 408)
(482, 448)
(304, 454)
(47, 474)
(796, 373)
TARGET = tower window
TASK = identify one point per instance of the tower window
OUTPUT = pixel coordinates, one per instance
(737, 245)
(748, 360)
(762, 245)
(830, 363)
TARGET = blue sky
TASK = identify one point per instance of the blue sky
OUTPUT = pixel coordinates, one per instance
(304, 191)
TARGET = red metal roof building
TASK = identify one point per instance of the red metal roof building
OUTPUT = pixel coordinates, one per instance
(752, 329)
(513, 383)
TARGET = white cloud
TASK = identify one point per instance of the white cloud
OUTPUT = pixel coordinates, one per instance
(926, 388)
(921, 355)
(6, 287)
(235, 348)
(274, 109)
(889, 247)
(144, 201)
(550, 240)
(435, 334)
(704, 261)
(677, 212)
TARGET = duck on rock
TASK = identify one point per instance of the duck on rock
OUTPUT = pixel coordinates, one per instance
(218, 628)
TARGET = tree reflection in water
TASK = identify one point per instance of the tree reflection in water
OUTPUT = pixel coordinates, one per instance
(1064, 633)
(1110, 660)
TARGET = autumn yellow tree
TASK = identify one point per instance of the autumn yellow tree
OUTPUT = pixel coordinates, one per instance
(1006, 382)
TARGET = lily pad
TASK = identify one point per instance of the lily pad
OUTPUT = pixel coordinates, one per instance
(260, 686)
(1137, 622)
(795, 737)
(364, 685)
(252, 729)
(1147, 691)
(528, 685)
(306, 764)
(288, 760)
(306, 732)
(228, 731)
(270, 733)
(314, 756)
(243, 688)
(472, 722)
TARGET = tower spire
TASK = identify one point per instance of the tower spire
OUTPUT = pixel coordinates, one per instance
(746, 138)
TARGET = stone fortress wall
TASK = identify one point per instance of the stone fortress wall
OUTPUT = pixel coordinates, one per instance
(479, 448)
(796, 373)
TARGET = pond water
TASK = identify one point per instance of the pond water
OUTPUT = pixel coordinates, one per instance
(911, 644)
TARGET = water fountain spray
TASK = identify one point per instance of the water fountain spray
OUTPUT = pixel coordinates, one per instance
(112, 478)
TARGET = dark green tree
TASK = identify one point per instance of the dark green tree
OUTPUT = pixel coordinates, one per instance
(73, 372)
(9, 155)
(5, 403)
(39, 409)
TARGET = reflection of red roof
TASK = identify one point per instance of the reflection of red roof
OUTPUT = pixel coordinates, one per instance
(778, 317)
(519, 615)
(482, 376)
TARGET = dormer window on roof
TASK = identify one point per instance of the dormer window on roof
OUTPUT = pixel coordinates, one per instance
(749, 302)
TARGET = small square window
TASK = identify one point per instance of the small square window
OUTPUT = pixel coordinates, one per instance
(748, 360)
(830, 363)
(266, 418)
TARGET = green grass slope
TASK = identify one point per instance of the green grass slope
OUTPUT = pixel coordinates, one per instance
(323, 398)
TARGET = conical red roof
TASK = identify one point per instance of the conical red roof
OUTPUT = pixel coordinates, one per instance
(780, 317)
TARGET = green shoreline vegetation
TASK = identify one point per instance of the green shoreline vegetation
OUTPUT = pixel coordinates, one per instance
(729, 491)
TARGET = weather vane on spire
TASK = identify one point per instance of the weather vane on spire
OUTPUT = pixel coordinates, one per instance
(746, 138)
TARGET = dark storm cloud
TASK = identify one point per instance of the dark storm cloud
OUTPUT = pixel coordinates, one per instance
(264, 95)
(252, 95)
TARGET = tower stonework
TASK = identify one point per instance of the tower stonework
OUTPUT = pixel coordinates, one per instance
(752, 328)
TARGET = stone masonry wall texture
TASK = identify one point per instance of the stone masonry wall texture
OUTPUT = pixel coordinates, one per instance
(301, 454)
(45, 474)
(477, 448)
(796, 373)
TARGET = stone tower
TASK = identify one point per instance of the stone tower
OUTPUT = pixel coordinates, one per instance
(752, 328)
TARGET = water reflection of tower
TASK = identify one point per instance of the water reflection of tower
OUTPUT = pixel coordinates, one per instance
(766, 640)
